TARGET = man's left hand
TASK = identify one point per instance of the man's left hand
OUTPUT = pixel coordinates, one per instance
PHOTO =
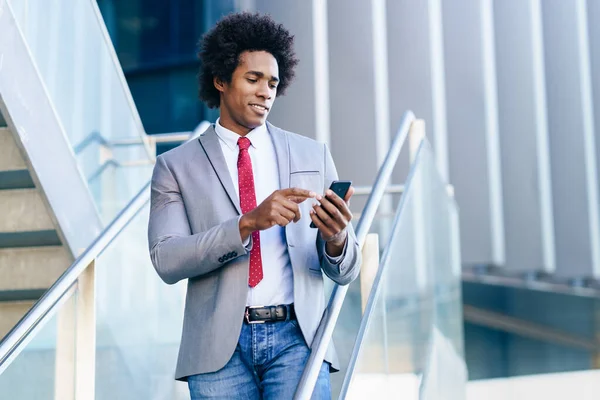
(332, 217)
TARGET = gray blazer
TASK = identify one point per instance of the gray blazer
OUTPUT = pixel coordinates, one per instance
(193, 234)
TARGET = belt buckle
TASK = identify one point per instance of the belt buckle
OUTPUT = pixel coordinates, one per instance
(247, 315)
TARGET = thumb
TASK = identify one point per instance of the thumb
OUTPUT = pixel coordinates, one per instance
(349, 195)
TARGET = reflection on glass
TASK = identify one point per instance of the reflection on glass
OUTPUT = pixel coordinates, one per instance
(412, 345)
(45, 369)
(139, 320)
(83, 79)
(348, 323)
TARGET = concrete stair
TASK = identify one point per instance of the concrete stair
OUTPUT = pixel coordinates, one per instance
(32, 255)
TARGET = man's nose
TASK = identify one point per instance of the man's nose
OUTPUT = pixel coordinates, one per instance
(264, 91)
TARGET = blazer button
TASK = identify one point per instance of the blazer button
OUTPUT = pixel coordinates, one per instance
(234, 254)
(220, 259)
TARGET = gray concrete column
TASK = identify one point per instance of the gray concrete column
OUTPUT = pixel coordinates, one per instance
(593, 14)
(296, 110)
(352, 93)
(572, 142)
(416, 73)
(474, 162)
(523, 134)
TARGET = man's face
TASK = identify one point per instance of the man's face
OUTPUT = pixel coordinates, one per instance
(248, 98)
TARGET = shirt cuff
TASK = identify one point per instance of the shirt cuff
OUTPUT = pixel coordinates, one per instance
(338, 259)
(246, 243)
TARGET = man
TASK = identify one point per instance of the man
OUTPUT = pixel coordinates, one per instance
(231, 213)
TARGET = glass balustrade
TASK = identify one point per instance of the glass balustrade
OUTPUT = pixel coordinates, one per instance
(410, 344)
(139, 321)
(77, 64)
(45, 368)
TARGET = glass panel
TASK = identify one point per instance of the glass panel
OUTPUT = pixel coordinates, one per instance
(139, 320)
(348, 323)
(444, 373)
(412, 346)
(45, 369)
(114, 185)
(83, 79)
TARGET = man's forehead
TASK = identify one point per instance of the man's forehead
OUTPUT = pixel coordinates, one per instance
(252, 59)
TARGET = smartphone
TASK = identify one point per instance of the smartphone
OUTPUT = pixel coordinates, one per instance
(340, 188)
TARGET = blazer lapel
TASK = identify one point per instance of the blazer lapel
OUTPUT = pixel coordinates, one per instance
(210, 143)
(282, 151)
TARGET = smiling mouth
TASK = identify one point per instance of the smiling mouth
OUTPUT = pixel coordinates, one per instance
(259, 107)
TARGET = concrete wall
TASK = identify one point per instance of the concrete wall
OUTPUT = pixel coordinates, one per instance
(507, 92)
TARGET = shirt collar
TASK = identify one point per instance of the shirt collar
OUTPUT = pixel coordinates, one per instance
(257, 136)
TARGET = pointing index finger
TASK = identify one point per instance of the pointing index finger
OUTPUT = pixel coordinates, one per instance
(297, 194)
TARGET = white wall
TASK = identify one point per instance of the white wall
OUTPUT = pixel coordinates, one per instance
(583, 385)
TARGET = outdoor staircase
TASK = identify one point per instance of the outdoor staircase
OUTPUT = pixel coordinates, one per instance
(32, 255)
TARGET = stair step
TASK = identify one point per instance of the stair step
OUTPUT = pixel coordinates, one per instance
(10, 155)
(23, 210)
(11, 312)
(32, 267)
(21, 295)
(29, 239)
(17, 179)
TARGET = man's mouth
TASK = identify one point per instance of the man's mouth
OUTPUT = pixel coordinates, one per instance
(260, 107)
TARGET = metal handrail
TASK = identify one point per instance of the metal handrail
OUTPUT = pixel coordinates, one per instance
(97, 137)
(376, 286)
(366, 190)
(16, 339)
(92, 137)
(169, 137)
(330, 316)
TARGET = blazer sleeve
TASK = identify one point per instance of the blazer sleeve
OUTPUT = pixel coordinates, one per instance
(343, 269)
(175, 252)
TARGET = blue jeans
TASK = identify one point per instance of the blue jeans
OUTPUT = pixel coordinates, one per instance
(267, 364)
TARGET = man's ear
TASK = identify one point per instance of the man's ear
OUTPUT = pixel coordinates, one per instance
(219, 84)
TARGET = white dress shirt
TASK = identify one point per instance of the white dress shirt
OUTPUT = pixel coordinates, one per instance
(277, 285)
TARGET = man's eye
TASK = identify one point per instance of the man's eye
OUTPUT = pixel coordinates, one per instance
(252, 80)
(273, 86)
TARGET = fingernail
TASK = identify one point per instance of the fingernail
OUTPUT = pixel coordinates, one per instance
(312, 194)
(319, 197)
(329, 192)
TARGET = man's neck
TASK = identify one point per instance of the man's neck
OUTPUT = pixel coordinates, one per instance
(228, 123)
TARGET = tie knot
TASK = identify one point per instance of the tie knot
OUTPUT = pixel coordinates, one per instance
(244, 143)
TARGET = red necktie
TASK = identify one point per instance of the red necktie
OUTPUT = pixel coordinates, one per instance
(248, 203)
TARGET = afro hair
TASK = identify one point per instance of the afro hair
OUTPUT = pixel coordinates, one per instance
(220, 50)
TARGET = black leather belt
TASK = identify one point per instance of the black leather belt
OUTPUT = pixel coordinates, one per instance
(262, 314)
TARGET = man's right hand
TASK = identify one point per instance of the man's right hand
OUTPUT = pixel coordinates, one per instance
(280, 208)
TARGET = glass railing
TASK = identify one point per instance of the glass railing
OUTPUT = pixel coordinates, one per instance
(46, 366)
(115, 185)
(139, 321)
(77, 64)
(348, 324)
(410, 342)
(137, 324)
